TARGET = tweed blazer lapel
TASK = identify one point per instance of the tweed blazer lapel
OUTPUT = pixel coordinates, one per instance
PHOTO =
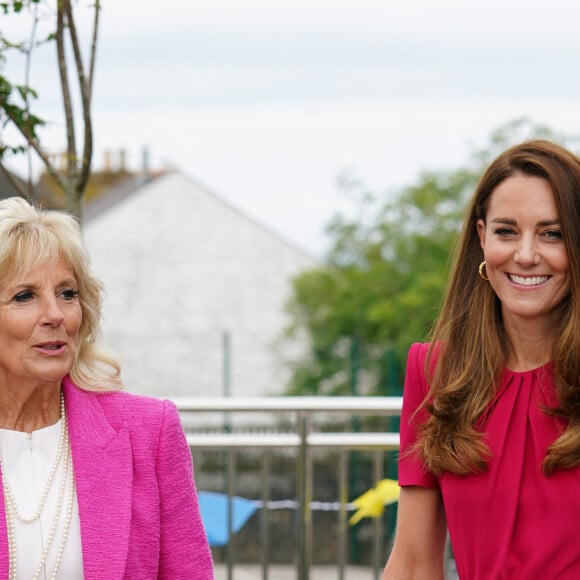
(102, 462)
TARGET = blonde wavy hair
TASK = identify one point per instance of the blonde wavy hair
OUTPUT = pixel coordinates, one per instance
(469, 345)
(30, 236)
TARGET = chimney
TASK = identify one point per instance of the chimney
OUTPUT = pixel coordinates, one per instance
(122, 161)
(107, 161)
(145, 162)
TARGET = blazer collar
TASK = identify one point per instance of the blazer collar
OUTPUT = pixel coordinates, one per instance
(103, 468)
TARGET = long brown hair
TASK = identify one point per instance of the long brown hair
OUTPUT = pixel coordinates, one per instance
(469, 336)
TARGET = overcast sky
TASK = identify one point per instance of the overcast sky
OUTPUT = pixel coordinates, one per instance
(268, 102)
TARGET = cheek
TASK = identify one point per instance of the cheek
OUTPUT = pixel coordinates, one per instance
(17, 328)
(74, 321)
(495, 255)
(559, 262)
(564, 264)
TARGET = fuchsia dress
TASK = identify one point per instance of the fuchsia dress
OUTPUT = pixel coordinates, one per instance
(512, 522)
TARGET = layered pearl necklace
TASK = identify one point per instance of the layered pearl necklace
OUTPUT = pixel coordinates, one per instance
(65, 501)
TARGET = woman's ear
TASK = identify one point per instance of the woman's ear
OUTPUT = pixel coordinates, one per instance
(481, 233)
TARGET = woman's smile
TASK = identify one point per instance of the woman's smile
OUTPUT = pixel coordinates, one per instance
(528, 280)
(525, 254)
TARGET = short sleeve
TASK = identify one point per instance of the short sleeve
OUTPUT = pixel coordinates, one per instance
(412, 470)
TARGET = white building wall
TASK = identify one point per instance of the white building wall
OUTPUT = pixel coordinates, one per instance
(180, 268)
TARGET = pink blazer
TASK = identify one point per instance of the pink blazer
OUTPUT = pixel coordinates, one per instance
(138, 507)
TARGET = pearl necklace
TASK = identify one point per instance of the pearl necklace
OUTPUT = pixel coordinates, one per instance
(66, 490)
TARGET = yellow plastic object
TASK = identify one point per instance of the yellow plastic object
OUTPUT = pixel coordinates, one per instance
(371, 504)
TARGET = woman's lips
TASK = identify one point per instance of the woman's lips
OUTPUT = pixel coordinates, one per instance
(50, 347)
(528, 280)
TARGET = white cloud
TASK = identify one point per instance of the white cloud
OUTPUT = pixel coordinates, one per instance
(267, 101)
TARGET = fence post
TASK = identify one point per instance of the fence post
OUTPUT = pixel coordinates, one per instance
(304, 488)
(378, 549)
(230, 484)
(342, 514)
(265, 515)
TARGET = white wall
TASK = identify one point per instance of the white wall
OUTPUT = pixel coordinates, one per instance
(180, 268)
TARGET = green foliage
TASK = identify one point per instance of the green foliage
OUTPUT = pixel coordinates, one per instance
(18, 113)
(384, 278)
(15, 99)
(14, 106)
(16, 5)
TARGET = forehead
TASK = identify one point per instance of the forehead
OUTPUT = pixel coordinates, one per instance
(523, 196)
(56, 268)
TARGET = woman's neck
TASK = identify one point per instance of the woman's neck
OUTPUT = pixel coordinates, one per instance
(528, 349)
(27, 412)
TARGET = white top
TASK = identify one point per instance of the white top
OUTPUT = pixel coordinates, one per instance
(27, 459)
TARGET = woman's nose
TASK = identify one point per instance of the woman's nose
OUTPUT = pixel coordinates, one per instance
(526, 252)
(52, 314)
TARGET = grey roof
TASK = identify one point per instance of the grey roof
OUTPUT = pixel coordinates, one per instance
(113, 195)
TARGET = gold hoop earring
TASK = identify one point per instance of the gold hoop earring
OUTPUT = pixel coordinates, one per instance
(482, 270)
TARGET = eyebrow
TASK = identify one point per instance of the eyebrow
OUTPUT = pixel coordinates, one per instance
(34, 286)
(512, 222)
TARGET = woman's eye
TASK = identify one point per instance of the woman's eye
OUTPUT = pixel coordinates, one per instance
(23, 296)
(553, 234)
(504, 232)
(69, 294)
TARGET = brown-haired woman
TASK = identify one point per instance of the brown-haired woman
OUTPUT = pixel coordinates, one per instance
(490, 428)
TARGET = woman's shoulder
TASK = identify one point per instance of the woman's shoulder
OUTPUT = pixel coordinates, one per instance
(134, 406)
(123, 397)
(418, 351)
(123, 408)
(416, 374)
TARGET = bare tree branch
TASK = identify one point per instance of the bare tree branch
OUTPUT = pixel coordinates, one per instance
(93, 53)
(65, 89)
(84, 85)
(28, 62)
(73, 178)
(19, 187)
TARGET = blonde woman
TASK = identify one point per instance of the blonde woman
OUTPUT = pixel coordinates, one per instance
(97, 483)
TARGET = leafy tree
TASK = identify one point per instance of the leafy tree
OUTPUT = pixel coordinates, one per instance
(384, 278)
(76, 80)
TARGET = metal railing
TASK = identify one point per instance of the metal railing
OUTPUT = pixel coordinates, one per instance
(303, 439)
